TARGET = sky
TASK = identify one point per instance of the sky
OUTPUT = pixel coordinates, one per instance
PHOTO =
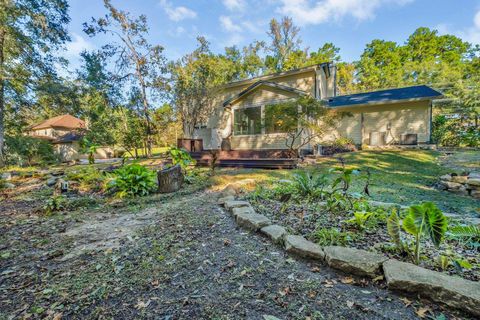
(349, 24)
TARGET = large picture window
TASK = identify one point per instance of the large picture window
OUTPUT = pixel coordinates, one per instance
(281, 118)
(247, 121)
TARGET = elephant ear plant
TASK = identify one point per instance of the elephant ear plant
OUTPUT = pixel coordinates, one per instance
(421, 220)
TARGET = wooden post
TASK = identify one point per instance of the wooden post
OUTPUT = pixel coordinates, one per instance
(170, 179)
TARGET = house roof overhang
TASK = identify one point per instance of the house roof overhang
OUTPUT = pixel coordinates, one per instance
(325, 66)
(227, 103)
(390, 96)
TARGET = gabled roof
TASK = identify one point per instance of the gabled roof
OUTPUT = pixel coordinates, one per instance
(262, 83)
(266, 77)
(415, 93)
(63, 121)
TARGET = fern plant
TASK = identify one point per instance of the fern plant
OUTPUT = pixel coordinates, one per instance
(425, 220)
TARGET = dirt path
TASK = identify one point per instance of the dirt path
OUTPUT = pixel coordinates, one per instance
(183, 258)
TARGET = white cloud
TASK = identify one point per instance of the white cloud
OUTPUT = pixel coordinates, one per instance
(228, 25)
(305, 12)
(234, 40)
(471, 34)
(177, 32)
(177, 13)
(77, 45)
(235, 5)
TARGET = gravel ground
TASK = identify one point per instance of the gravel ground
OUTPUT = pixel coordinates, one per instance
(186, 260)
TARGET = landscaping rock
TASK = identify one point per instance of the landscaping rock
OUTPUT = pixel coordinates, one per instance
(275, 232)
(300, 246)
(459, 179)
(222, 200)
(355, 261)
(252, 221)
(475, 194)
(386, 205)
(474, 175)
(452, 291)
(51, 181)
(8, 185)
(446, 177)
(453, 185)
(460, 191)
(229, 205)
(229, 190)
(242, 210)
(473, 182)
(6, 176)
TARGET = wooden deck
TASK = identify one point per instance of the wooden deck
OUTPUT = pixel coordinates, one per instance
(266, 159)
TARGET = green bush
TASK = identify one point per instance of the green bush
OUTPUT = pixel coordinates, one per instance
(454, 133)
(24, 150)
(133, 180)
(54, 203)
(181, 157)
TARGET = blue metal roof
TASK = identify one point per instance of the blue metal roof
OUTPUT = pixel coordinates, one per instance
(390, 95)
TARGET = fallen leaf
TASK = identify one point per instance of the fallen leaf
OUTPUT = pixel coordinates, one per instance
(350, 304)
(285, 291)
(406, 301)
(142, 305)
(311, 294)
(422, 312)
(57, 316)
(315, 269)
(347, 280)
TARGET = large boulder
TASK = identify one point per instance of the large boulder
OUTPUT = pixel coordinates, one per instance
(275, 232)
(452, 291)
(300, 246)
(355, 261)
(252, 221)
(51, 181)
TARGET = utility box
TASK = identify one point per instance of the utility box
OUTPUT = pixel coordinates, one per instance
(409, 139)
(377, 138)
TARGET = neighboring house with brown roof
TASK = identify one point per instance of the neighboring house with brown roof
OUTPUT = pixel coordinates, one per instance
(65, 133)
(56, 127)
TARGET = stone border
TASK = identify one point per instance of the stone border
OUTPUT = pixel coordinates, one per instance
(452, 291)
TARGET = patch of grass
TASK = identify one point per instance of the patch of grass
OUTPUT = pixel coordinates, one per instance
(405, 177)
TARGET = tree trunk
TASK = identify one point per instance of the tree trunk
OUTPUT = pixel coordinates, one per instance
(170, 179)
(2, 98)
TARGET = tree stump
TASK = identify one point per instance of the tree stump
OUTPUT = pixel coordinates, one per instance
(170, 179)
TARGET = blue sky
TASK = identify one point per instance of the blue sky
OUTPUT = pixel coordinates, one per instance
(349, 24)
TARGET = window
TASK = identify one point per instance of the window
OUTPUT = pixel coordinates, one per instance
(247, 121)
(280, 118)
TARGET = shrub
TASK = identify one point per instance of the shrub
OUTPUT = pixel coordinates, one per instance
(181, 157)
(340, 145)
(90, 178)
(24, 150)
(133, 180)
(54, 203)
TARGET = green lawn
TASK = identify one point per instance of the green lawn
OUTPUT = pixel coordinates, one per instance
(403, 177)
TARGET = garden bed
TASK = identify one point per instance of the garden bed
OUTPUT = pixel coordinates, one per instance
(318, 224)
